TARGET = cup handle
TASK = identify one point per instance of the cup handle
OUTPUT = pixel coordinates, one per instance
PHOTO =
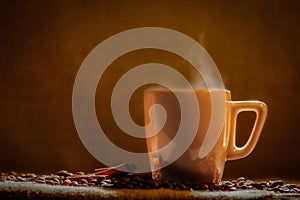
(236, 107)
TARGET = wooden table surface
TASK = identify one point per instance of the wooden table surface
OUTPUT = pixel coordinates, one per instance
(25, 190)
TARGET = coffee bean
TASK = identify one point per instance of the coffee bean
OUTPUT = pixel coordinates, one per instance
(83, 181)
(275, 183)
(91, 184)
(64, 173)
(248, 181)
(48, 177)
(227, 183)
(295, 190)
(56, 180)
(28, 175)
(250, 187)
(241, 179)
(291, 186)
(138, 178)
(67, 182)
(49, 182)
(255, 185)
(284, 190)
(240, 184)
(204, 186)
(276, 188)
(56, 183)
(21, 179)
(106, 185)
(42, 178)
(156, 184)
(12, 173)
(126, 180)
(79, 173)
(74, 183)
(244, 187)
(41, 181)
(262, 185)
(232, 189)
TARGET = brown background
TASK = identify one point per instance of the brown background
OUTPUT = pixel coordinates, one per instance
(255, 45)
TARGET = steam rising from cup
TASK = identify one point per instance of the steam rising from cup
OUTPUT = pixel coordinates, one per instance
(92, 69)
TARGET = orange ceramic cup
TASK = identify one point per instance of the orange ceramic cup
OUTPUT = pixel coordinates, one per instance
(189, 167)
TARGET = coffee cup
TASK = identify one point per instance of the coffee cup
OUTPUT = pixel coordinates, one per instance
(190, 165)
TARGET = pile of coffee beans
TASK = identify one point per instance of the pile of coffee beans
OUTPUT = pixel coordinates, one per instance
(111, 178)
